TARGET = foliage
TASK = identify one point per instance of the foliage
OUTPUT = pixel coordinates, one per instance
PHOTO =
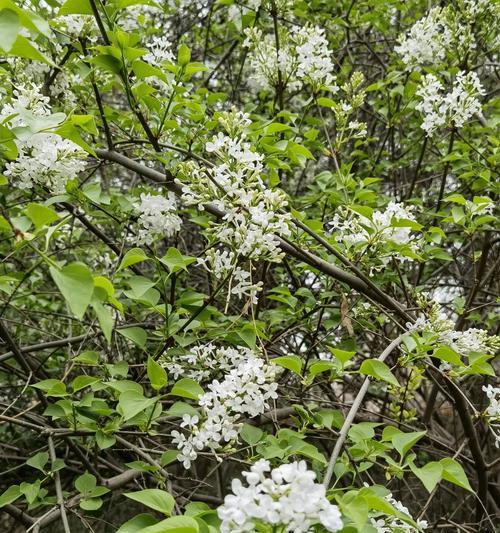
(250, 255)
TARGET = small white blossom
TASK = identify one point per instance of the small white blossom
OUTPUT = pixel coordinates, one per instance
(303, 56)
(158, 217)
(137, 16)
(453, 108)
(46, 159)
(493, 411)
(441, 331)
(26, 99)
(159, 51)
(244, 390)
(253, 220)
(287, 497)
(314, 59)
(376, 230)
(427, 40)
(204, 361)
(78, 25)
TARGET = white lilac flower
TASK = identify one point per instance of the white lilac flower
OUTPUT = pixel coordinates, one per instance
(242, 285)
(453, 108)
(222, 264)
(354, 229)
(205, 361)
(427, 40)
(303, 56)
(78, 25)
(30, 75)
(472, 340)
(26, 98)
(285, 497)
(46, 159)
(462, 103)
(475, 8)
(358, 129)
(447, 31)
(388, 524)
(158, 217)
(314, 58)
(159, 51)
(244, 390)
(253, 221)
(493, 411)
(138, 16)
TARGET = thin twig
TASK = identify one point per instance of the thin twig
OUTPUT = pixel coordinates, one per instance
(352, 414)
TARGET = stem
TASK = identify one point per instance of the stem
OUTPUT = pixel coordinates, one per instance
(353, 412)
(57, 480)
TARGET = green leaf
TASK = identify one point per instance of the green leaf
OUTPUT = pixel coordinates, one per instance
(300, 150)
(133, 256)
(430, 474)
(99, 491)
(9, 27)
(445, 353)
(135, 334)
(140, 285)
(276, 127)
(41, 215)
(137, 524)
(104, 440)
(131, 403)
(330, 418)
(247, 335)
(51, 387)
(85, 483)
(88, 358)
(310, 451)
(181, 408)
(23, 47)
(321, 366)
(454, 473)
(10, 495)
(30, 490)
(187, 388)
(357, 511)
(76, 285)
(362, 431)
(342, 355)
(76, 7)
(156, 374)
(251, 434)
(403, 442)
(80, 382)
(183, 55)
(108, 62)
(290, 362)
(91, 504)
(156, 499)
(379, 370)
(38, 461)
(70, 131)
(326, 102)
(105, 318)
(142, 466)
(8, 148)
(175, 524)
(175, 261)
(169, 457)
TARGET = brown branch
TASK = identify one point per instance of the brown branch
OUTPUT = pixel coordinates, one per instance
(167, 180)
